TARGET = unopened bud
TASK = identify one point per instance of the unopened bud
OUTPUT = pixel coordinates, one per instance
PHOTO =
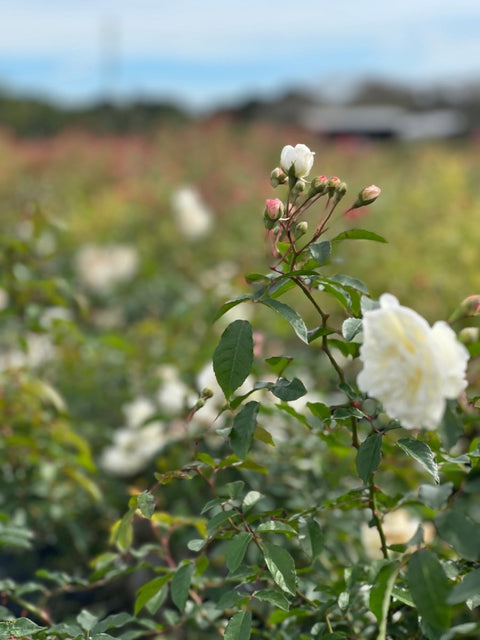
(300, 229)
(468, 308)
(369, 194)
(366, 196)
(274, 208)
(471, 305)
(340, 191)
(469, 335)
(318, 186)
(206, 393)
(299, 186)
(278, 176)
(332, 185)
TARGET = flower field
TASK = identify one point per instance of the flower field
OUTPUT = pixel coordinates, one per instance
(193, 449)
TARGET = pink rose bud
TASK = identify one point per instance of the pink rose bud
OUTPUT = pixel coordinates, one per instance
(318, 186)
(369, 194)
(332, 185)
(274, 208)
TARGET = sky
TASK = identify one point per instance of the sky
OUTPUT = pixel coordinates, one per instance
(210, 53)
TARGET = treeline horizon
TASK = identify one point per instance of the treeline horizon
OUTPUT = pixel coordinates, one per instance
(28, 116)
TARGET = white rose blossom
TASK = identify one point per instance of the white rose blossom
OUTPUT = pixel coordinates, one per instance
(410, 367)
(300, 156)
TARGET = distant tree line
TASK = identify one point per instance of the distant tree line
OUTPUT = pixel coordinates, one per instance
(29, 117)
(33, 117)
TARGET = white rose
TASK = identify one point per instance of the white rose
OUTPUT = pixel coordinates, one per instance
(300, 156)
(399, 527)
(410, 367)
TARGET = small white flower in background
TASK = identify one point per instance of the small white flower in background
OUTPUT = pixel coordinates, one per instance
(137, 411)
(410, 367)
(135, 444)
(101, 268)
(173, 395)
(4, 299)
(39, 349)
(192, 216)
(300, 156)
(399, 527)
(133, 449)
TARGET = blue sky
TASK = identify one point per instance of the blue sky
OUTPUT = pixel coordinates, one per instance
(203, 54)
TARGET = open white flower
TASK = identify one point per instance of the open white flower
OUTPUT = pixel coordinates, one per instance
(410, 367)
(193, 217)
(300, 156)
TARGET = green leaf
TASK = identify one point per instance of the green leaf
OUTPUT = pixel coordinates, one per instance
(313, 538)
(337, 291)
(19, 628)
(264, 436)
(290, 315)
(281, 566)
(467, 588)
(233, 357)
(122, 533)
(320, 251)
(349, 281)
(114, 621)
(429, 588)
(460, 532)
(368, 456)
(288, 389)
(433, 496)
(277, 598)
(319, 410)
(244, 425)
(239, 626)
(357, 234)
(230, 304)
(251, 500)
(279, 363)
(422, 453)
(236, 549)
(351, 327)
(219, 518)
(146, 503)
(149, 591)
(181, 584)
(86, 620)
(380, 595)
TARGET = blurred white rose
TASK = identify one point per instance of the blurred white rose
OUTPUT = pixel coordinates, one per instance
(173, 395)
(410, 367)
(137, 411)
(192, 216)
(399, 527)
(38, 350)
(101, 268)
(133, 449)
(300, 156)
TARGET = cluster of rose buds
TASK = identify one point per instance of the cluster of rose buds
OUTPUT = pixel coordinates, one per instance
(281, 219)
